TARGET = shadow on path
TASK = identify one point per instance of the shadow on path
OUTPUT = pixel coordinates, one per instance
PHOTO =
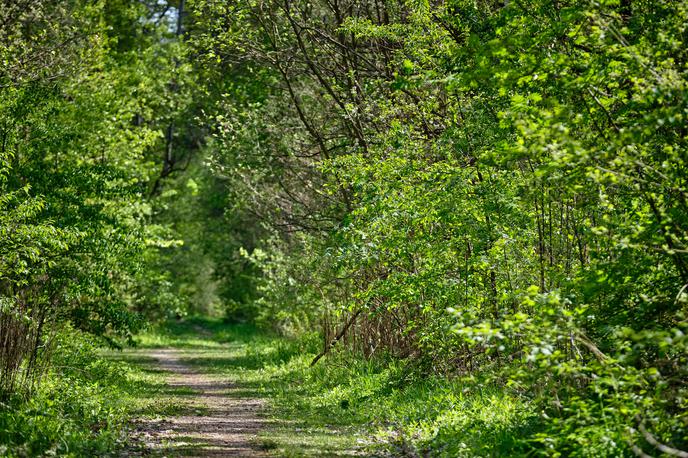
(213, 421)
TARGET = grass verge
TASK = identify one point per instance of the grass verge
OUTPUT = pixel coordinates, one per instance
(344, 406)
(348, 406)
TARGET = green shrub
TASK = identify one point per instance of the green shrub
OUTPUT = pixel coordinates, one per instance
(80, 409)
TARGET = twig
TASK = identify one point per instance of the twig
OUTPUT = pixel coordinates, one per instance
(337, 338)
(661, 447)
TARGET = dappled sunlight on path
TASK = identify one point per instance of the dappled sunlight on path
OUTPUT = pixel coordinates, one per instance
(213, 422)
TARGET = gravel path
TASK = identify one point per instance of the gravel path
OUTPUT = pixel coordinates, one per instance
(215, 423)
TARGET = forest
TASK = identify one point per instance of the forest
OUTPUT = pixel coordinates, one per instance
(413, 228)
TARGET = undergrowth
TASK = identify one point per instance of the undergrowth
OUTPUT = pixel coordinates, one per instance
(81, 408)
(346, 404)
(393, 410)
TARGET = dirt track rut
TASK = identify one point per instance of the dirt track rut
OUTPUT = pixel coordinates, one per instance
(214, 422)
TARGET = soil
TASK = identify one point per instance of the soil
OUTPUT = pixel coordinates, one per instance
(216, 421)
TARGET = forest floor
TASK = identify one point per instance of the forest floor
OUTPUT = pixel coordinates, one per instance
(204, 388)
(212, 392)
(214, 421)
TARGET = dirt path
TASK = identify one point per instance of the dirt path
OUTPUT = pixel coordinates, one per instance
(214, 422)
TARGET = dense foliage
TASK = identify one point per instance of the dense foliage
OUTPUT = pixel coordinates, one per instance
(493, 190)
(82, 99)
(487, 193)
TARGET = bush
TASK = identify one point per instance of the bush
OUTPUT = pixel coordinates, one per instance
(79, 410)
